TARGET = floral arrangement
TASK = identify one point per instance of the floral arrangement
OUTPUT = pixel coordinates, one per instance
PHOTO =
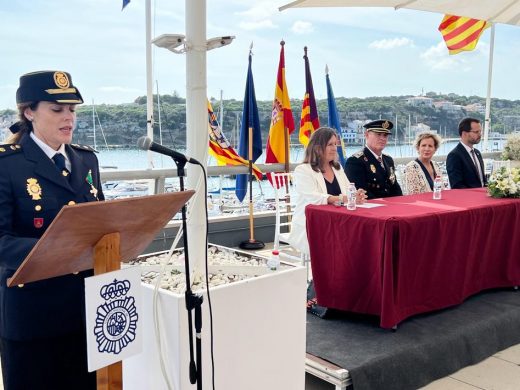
(505, 183)
(512, 148)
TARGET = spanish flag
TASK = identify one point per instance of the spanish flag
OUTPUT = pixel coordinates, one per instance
(461, 33)
(221, 149)
(282, 121)
(309, 120)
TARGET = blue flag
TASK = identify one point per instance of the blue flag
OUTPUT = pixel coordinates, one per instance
(249, 119)
(334, 122)
(125, 3)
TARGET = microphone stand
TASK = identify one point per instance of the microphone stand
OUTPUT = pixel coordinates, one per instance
(193, 302)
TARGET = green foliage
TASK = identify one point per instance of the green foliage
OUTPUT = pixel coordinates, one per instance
(123, 124)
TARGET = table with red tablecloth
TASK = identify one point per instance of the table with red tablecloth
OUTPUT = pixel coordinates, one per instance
(413, 254)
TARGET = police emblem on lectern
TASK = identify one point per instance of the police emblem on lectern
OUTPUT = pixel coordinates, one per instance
(116, 319)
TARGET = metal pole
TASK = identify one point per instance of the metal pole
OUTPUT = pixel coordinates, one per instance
(487, 121)
(197, 137)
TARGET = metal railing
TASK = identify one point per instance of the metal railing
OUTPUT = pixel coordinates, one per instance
(160, 175)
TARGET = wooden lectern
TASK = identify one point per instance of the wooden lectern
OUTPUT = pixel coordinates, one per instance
(99, 235)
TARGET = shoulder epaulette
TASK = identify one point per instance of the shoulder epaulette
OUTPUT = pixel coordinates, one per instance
(358, 154)
(9, 149)
(84, 148)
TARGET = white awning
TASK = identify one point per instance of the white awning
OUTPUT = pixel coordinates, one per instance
(496, 11)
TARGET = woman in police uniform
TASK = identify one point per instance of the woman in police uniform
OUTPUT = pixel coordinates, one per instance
(42, 327)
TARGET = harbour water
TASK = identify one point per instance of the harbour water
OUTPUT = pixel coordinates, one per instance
(124, 159)
(221, 189)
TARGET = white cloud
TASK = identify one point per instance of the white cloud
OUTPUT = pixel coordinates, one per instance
(301, 27)
(389, 44)
(438, 58)
(259, 16)
(261, 10)
(257, 25)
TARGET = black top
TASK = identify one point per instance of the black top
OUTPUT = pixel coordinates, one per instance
(333, 188)
(426, 173)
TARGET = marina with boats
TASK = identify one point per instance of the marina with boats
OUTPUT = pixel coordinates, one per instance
(263, 339)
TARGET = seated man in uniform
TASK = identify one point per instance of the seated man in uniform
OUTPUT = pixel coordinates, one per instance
(369, 168)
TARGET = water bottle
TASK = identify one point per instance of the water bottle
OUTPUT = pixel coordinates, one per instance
(273, 263)
(351, 196)
(437, 188)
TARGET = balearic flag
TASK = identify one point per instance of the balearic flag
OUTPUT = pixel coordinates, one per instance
(250, 120)
(221, 149)
(461, 33)
(334, 121)
(309, 120)
(282, 121)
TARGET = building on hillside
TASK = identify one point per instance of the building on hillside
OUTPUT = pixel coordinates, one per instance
(448, 106)
(420, 101)
(476, 107)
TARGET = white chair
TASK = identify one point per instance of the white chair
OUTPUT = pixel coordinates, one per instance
(284, 207)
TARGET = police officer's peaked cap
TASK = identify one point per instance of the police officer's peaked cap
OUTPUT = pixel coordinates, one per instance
(47, 86)
(379, 126)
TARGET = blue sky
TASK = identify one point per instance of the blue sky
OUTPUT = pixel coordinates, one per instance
(370, 52)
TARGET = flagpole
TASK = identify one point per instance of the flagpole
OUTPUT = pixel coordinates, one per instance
(251, 243)
(487, 120)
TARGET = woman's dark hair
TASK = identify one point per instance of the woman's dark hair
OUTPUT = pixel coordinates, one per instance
(316, 148)
(465, 124)
(24, 125)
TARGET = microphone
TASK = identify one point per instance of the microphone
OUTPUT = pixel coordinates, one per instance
(145, 143)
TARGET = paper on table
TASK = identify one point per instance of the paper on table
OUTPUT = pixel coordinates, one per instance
(369, 205)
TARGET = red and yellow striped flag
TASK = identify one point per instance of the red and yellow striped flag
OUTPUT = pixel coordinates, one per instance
(309, 120)
(461, 33)
(221, 149)
(282, 121)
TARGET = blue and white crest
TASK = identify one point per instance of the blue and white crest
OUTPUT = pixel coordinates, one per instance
(116, 320)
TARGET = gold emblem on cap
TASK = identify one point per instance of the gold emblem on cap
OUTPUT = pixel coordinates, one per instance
(61, 80)
(2, 150)
(385, 125)
(373, 168)
(34, 189)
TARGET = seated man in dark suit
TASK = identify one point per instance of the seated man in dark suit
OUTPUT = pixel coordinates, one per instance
(369, 168)
(464, 163)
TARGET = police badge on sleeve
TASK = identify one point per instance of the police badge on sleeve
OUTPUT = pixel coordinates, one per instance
(113, 323)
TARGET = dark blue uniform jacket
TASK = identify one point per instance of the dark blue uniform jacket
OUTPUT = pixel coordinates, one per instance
(363, 169)
(32, 192)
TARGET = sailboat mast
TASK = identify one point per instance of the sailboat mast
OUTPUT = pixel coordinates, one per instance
(221, 112)
(94, 123)
(159, 112)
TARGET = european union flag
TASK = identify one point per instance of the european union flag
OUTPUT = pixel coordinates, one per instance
(334, 121)
(125, 3)
(249, 120)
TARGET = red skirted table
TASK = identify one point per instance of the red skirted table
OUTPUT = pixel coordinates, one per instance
(414, 254)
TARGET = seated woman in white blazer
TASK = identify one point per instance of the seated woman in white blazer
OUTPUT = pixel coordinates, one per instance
(319, 180)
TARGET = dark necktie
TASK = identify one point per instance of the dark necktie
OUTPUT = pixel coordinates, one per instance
(380, 159)
(477, 166)
(59, 160)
